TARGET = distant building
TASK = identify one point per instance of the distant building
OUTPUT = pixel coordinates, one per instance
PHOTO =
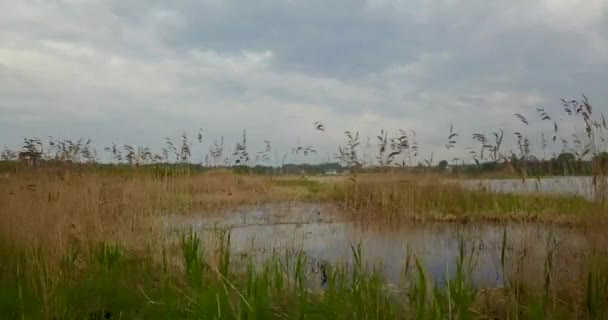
(331, 172)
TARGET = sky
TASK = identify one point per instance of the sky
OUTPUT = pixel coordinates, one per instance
(135, 72)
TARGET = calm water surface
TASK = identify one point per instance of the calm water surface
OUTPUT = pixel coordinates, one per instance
(580, 186)
(325, 238)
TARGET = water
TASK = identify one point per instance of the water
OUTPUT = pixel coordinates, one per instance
(325, 238)
(579, 186)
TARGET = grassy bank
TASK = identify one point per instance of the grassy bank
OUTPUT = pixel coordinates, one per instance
(193, 281)
(53, 206)
(86, 244)
(56, 205)
(385, 197)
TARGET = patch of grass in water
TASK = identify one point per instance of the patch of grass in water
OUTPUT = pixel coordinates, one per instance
(435, 200)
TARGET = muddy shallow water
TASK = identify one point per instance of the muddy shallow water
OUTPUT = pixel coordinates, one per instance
(326, 238)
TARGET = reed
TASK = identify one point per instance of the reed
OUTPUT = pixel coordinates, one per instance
(382, 198)
(82, 238)
(115, 282)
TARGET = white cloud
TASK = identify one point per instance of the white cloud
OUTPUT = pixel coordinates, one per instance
(138, 71)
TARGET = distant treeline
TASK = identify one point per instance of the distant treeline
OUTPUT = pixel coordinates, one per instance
(179, 168)
(564, 164)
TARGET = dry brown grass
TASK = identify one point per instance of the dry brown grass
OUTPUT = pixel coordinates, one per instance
(393, 197)
(51, 208)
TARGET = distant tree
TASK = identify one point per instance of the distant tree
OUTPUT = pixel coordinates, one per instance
(442, 164)
(566, 163)
(600, 163)
(602, 156)
(566, 157)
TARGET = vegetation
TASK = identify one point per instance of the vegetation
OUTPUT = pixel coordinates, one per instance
(87, 243)
(107, 281)
(82, 238)
(558, 152)
(381, 198)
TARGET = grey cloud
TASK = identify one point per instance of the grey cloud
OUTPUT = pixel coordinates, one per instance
(121, 70)
(320, 37)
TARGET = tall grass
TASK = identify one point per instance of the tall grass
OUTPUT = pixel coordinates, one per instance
(110, 281)
(562, 149)
(382, 197)
(54, 206)
(82, 240)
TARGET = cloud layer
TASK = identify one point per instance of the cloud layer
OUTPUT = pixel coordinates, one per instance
(137, 71)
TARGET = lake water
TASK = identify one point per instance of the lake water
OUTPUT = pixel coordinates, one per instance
(325, 238)
(580, 186)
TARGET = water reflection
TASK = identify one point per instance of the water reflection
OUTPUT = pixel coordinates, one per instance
(317, 230)
(580, 186)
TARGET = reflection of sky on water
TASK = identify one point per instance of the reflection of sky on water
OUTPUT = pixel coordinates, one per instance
(311, 228)
(581, 186)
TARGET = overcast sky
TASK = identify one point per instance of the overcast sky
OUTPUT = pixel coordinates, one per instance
(133, 72)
